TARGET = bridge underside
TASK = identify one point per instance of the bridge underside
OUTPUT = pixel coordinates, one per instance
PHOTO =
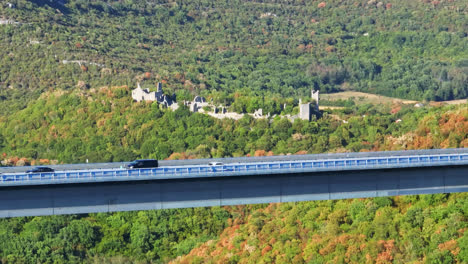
(200, 192)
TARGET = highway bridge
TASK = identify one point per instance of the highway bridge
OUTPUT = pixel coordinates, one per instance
(107, 187)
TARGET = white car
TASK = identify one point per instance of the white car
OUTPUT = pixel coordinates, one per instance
(215, 163)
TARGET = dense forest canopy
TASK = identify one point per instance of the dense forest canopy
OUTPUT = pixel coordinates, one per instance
(406, 229)
(407, 49)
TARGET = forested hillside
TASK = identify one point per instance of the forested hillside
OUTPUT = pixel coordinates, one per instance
(407, 49)
(109, 238)
(105, 125)
(406, 229)
(67, 68)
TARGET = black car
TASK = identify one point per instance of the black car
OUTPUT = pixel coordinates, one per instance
(40, 170)
(146, 163)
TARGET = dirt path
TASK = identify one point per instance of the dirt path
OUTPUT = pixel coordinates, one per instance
(461, 101)
(363, 98)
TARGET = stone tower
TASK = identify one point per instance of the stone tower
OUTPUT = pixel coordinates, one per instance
(159, 87)
(315, 96)
(304, 111)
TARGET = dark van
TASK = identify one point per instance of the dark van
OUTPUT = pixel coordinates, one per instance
(40, 169)
(146, 163)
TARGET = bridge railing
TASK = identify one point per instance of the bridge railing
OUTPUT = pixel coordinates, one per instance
(199, 171)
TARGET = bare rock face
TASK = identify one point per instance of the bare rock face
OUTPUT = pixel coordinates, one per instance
(106, 71)
(20, 163)
(81, 85)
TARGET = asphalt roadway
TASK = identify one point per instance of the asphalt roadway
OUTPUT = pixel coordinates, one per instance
(168, 163)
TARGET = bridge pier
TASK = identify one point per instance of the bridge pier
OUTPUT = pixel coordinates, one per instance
(59, 199)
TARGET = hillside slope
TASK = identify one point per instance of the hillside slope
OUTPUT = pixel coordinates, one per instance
(406, 229)
(105, 125)
(414, 50)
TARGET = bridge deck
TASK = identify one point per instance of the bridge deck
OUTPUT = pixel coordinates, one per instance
(112, 196)
(235, 169)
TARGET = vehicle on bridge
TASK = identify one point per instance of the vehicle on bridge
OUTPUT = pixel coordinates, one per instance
(40, 170)
(144, 163)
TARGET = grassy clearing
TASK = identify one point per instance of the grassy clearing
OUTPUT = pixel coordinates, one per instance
(460, 101)
(324, 107)
(364, 98)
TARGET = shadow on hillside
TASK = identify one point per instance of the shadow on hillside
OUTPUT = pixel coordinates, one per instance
(56, 4)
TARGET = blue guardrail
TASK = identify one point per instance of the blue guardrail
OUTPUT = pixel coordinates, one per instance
(233, 169)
